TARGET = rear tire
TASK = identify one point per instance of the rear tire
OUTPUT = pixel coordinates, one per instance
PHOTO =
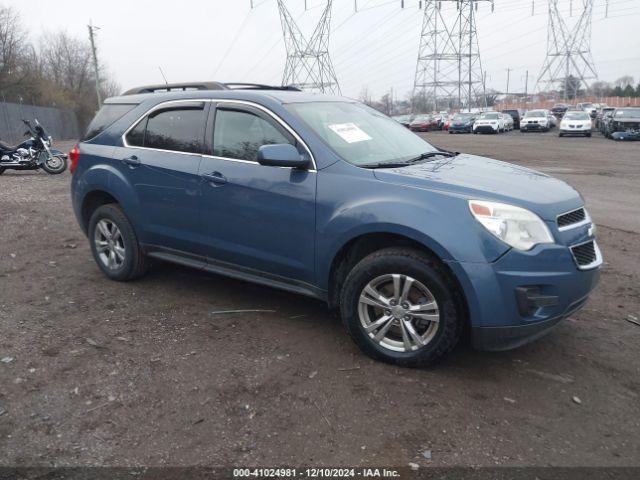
(396, 329)
(2, 169)
(114, 244)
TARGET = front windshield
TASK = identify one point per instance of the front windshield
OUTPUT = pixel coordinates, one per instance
(577, 116)
(535, 113)
(360, 134)
(489, 116)
(462, 117)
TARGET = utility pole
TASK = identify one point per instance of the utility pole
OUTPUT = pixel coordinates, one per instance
(526, 87)
(509, 70)
(568, 51)
(308, 64)
(96, 69)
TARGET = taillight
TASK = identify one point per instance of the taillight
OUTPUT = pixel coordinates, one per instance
(74, 157)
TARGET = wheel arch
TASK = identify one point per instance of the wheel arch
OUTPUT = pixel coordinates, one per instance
(358, 247)
(100, 185)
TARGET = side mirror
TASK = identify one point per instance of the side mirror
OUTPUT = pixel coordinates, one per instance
(281, 155)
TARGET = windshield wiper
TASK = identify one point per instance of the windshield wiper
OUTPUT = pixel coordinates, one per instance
(411, 161)
(427, 155)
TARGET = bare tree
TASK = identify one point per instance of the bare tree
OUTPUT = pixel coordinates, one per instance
(13, 49)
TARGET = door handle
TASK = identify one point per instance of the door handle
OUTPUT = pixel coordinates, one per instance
(132, 161)
(215, 177)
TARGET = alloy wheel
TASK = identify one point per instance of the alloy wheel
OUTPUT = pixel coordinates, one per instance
(109, 244)
(398, 312)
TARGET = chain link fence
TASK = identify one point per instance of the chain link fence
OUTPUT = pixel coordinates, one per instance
(60, 123)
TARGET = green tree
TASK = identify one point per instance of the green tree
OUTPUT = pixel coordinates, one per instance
(629, 91)
(638, 90)
(573, 89)
(617, 91)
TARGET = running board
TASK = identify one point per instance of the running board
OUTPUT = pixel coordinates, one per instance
(242, 273)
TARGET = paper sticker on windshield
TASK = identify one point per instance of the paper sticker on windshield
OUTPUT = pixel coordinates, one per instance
(349, 132)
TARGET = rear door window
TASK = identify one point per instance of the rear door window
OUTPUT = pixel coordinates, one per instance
(105, 117)
(179, 129)
(238, 134)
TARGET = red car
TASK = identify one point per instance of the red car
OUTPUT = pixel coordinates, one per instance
(423, 123)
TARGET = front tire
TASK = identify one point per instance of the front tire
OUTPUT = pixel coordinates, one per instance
(114, 244)
(400, 307)
(55, 164)
(2, 169)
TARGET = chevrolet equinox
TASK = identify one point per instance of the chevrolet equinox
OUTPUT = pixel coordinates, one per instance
(323, 196)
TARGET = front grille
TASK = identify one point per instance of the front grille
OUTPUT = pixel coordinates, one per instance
(569, 218)
(584, 254)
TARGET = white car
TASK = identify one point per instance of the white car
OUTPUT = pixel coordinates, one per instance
(489, 122)
(575, 123)
(508, 121)
(536, 121)
(590, 108)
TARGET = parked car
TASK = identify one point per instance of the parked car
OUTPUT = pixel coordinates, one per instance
(535, 121)
(404, 120)
(462, 123)
(447, 122)
(623, 121)
(559, 109)
(588, 107)
(600, 116)
(553, 120)
(575, 123)
(439, 119)
(328, 198)
(516, 115)
(489, 122)
(508, 122)
(423, 123)
(604, 121)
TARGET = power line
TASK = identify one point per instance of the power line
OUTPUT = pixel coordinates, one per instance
(447, 42)
(568, 51)
(308, 65)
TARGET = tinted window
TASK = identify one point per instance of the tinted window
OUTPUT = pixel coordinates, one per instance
(105, 117)
(240, 134)
(135, 137)
(178, 129)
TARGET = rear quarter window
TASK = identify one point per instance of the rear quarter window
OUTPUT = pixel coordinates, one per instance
(105, 117)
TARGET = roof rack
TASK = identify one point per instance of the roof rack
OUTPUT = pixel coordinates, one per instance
(177, 87)
(258, 86)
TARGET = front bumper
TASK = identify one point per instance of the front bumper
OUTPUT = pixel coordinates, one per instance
(485, 129)
(574, 130)
(500, 317)
(459, 129)
(534, 127)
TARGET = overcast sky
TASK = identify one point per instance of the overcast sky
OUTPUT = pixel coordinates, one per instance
(376, 48)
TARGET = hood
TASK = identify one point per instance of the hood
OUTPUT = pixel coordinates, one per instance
(481, 178)
(626, 119)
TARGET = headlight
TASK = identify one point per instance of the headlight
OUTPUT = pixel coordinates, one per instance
(513, 225)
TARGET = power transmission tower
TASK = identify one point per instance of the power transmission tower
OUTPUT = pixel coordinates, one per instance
(96, 69)
(568, 63)
(448, 65)
(308, 64)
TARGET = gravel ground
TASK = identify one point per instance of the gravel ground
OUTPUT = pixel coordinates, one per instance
(145, 373)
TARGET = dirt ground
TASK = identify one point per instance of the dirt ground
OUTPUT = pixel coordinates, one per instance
(145, 373)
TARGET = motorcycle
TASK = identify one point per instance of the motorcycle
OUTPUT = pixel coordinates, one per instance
(34, 153)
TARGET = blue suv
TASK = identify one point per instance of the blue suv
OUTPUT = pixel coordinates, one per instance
(323, 196)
